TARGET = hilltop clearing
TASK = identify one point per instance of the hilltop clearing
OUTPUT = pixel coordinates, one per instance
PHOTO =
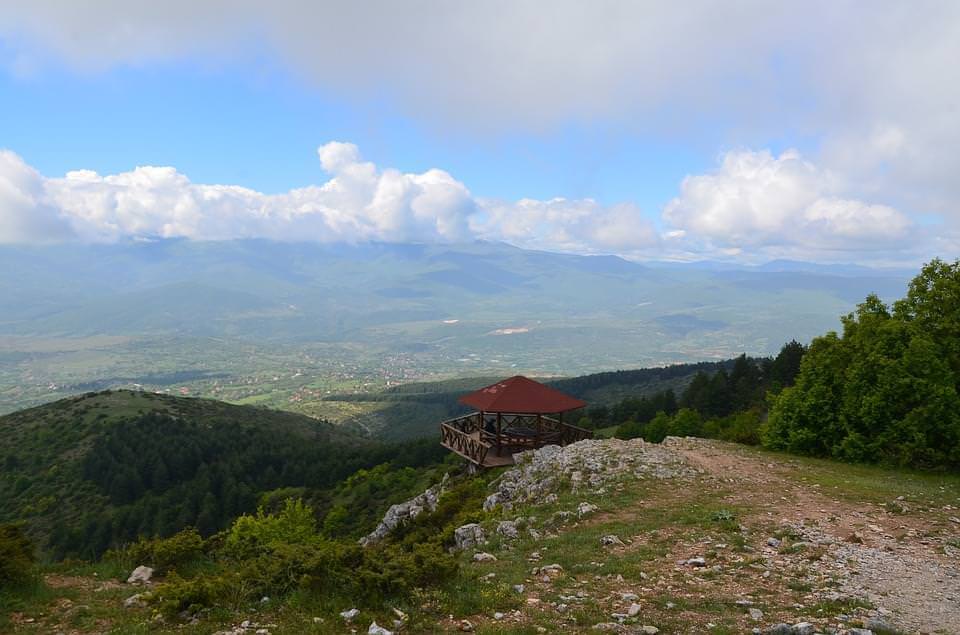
(687, 536)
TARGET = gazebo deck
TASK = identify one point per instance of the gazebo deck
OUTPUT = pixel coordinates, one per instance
(492, 459)
(470, 437)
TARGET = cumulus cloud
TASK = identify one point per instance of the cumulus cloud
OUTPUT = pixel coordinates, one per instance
(359, 202)
(754, 205)
(25, 214)
(755, 200)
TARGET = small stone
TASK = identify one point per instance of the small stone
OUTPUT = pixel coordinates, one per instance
(646, 629)
(585, 508)
(697, 562)
(774, 542)
(756, 614)
(629, 597)
(878, 624)
(466, 626)
(634, 610)
(519, 588)
(855, 538)
(779, 629)
(264, 599)
(483, 556)
(349, 615)
(135, 601)
(498, 615)
(262, 631)
(611, 541)
(804, 628)
(376, 629)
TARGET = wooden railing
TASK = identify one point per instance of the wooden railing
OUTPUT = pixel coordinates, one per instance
(469, 436)
(462, 443)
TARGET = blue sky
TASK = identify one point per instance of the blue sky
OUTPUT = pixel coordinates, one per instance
(820, 130)
(226, 125)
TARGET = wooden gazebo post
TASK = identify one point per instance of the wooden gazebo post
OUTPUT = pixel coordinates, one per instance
(499, 432)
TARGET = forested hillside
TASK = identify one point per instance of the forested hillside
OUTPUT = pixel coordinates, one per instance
(95, 471)
(884, 390)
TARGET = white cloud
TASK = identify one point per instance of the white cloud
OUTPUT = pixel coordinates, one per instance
(760, 202)
(753, 206)
(25, 215)
(360, 202)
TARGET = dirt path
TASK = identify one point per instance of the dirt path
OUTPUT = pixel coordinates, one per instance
(904, 564)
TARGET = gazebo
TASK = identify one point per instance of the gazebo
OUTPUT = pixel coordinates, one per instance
(511, 416)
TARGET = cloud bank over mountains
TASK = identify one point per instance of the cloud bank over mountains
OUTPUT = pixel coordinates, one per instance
(871, 90)
(875, 85)
(754, 205)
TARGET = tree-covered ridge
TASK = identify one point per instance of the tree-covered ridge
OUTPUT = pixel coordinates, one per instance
(90, 473)
(886, 388)
(726, 403)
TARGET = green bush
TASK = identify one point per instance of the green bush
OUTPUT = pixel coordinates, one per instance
(262, 533)
(886, 389)
(16, 556)
(162, 554)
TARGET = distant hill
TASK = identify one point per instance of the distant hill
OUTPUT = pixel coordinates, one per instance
(91, 471)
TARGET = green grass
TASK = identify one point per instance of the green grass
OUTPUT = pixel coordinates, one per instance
(872, 483)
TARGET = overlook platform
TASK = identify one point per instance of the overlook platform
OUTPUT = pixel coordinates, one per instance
(512, 417)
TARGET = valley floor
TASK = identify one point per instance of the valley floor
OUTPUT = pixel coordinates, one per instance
(690, 536)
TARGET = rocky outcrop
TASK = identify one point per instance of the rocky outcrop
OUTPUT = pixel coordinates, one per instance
(586, 465)
(402, 512)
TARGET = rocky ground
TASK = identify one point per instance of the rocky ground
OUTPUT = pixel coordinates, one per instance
(695, 536)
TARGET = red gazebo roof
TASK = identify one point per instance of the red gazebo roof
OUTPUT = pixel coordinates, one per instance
(522, 396)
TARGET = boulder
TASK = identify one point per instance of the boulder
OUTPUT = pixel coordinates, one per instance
(483, 556)
(349, 615)
(611, 541)
(468, 536)
(140, 575)
(508, 529)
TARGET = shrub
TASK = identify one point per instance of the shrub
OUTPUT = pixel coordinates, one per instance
(161, 553)
(262, 533)
(16, 556)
